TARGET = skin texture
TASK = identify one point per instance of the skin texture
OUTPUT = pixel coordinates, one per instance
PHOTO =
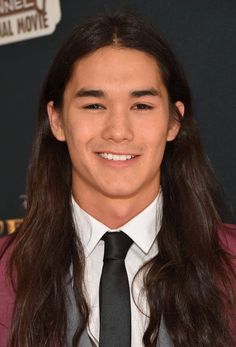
(115, 102)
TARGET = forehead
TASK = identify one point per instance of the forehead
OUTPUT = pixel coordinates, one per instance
(116, 66)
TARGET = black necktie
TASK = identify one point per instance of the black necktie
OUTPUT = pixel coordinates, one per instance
(114, 296)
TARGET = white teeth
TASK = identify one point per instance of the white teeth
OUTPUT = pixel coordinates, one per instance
(116, 157)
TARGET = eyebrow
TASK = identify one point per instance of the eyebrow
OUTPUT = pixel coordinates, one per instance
(145, 92)
(97, 93)
(90, 92)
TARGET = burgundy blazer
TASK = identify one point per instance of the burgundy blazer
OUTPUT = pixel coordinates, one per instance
(227, 236)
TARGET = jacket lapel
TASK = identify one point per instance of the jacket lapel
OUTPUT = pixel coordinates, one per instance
(73, 320)
(164, 339)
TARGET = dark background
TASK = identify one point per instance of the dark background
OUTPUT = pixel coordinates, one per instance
(202, 33)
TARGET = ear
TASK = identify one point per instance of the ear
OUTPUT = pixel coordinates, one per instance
(55, 121)
(174, 125)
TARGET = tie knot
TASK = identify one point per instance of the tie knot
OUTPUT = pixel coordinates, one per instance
(117, 245)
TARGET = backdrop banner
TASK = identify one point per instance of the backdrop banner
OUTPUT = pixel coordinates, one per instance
(202, 35)
(26, 19)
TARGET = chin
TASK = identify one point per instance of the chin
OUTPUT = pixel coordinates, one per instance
(119, 193)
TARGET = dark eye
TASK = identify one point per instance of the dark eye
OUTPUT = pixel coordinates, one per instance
(94, 107)
(142, 107)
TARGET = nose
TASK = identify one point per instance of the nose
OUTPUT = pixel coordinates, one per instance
(118, 127)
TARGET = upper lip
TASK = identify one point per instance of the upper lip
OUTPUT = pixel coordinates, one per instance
(118, 153)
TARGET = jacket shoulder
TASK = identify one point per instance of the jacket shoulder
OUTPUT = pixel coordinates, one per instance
(227, 235)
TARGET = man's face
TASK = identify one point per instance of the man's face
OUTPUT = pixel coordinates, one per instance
(116, 122)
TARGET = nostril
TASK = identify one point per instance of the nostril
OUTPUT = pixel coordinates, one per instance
(117, 133)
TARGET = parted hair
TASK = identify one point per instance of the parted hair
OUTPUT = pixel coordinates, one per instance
(189, 283)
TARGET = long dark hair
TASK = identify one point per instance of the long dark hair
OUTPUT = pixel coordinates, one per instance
(188, 283)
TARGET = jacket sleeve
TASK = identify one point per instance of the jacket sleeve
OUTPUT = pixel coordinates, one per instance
(228, 239)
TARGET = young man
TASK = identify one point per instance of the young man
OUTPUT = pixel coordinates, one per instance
(122, 243)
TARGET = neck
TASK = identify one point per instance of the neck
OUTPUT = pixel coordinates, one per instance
(113, 212)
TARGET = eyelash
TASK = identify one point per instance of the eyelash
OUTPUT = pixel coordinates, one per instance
(94, 107)
(140, 107)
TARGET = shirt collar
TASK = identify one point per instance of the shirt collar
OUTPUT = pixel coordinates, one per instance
(142, 229)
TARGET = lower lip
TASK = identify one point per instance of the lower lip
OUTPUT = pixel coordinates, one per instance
(118, 163)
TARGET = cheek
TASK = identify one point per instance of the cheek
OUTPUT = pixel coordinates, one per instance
(155, 144)
(77, 133)
(155, 136)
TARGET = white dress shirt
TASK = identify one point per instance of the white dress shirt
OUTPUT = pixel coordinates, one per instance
(143, 230)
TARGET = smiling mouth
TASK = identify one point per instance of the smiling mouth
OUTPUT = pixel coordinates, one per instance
(116, 157)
